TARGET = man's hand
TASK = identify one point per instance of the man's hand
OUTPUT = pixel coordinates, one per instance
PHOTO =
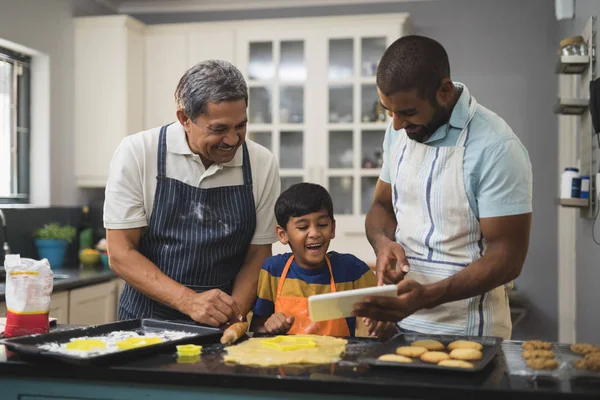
(381, 329)
(392, 264)
(213, 307)
(411, 298)
(279, 324)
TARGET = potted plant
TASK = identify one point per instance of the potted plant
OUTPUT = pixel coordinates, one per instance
(52, 240)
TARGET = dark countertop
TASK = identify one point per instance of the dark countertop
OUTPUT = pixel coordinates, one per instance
(70, 277)
(345, 378)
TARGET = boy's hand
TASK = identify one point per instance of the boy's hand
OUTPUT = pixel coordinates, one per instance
(278, 323)
(381, 329)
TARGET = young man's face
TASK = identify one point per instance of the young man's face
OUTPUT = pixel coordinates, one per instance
(309, 237)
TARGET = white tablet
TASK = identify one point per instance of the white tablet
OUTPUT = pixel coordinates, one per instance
(323, 307)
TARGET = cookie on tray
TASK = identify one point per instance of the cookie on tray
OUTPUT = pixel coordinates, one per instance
(394, 358)
(542, 363)
(434, 357)
(455, 364)
(411, 351)
(584, 348)
(464, 344)
(431, 345)
(528, 354)
(536, 345)
(466, 354)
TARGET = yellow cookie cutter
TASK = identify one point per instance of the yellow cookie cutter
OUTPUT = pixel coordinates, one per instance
(286, 343)
(188, 359)
(135, 342)
(188, 350)
(86, 344)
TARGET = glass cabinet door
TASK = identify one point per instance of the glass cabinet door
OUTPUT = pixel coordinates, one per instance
(356, 121)
(276, 73)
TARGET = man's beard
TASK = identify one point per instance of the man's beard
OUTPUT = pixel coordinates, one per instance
(440, 117)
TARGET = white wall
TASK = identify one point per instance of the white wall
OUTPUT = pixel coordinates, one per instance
(46, 26)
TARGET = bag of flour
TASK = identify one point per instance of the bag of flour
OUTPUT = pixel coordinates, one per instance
(28, 288)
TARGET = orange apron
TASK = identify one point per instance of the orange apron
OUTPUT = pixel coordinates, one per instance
(298, 308)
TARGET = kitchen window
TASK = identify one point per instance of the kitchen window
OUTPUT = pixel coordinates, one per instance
(14, 126)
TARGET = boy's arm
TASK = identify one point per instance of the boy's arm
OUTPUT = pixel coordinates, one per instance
(258, 324)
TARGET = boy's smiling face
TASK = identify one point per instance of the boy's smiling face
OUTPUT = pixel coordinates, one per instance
(308, 237)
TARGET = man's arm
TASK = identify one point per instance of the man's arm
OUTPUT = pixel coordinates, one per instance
(246, 281)
(380, 223)
(507, 244)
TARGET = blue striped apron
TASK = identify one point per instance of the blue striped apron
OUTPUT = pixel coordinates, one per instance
(441, 235)
(197, 237)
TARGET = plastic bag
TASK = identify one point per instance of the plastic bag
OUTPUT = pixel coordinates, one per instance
(29, 285)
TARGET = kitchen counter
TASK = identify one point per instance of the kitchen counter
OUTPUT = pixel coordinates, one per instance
(68, 278)
(161, 376)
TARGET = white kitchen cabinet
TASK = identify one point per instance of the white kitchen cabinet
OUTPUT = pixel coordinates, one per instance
(109, 87)
(92, 305)
(171, 52)
(313, 102)
(59, 307)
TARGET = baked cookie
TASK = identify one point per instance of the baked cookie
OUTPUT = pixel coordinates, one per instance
(592, 361)
(542, 363)
(394, 358)
(528, 354)
(466, 354)
(584, 348)
(580, 364)
(465, 344)
(431, 345)
(411, 351)
(455, 364)
(434, 357)
(536, 345)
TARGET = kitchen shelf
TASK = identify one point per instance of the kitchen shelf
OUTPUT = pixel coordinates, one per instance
(568, 106)
(570, 65)
(575, 202)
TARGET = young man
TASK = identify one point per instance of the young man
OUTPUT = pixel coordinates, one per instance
(304, 214)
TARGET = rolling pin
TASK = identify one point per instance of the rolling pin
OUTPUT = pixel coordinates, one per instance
(234, 332)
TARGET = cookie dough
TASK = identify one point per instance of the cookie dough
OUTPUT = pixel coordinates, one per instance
(528, 354)
(465, 344)
(431, 345)
(394, 358)
(466, 354)
(455, 364)
(434, 357)
(411, 351)
(252, 352)
(536, 345)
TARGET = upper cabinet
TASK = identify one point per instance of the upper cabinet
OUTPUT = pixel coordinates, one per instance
(109, 87)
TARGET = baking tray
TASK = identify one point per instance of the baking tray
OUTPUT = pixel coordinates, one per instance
(490, 348)
(27, 346)
(517, 365)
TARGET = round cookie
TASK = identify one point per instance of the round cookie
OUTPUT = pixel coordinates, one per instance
(584, 348)
(465, 344)
(394, 358)
(466, 354)
(411, 351)
(434, 357)
(528, 354)
(542, 363)
(592, 361)
(431, 345)
(580, 364)
(536, 345)
(455, 364)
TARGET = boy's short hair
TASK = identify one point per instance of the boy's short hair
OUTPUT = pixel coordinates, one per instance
(302, 199)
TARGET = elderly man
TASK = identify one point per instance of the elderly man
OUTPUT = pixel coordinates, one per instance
(189, 206)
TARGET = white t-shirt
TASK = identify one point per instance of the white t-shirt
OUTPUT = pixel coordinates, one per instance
(133, 169)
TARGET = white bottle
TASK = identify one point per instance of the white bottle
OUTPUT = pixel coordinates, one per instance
(566, 182)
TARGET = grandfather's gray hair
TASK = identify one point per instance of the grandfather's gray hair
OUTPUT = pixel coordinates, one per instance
(210, 81)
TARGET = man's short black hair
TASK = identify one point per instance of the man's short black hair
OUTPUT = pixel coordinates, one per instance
(413, 62)
(302, 199)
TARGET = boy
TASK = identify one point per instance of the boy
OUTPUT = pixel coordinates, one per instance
(304, 214)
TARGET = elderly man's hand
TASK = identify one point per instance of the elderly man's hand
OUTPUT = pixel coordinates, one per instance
(411, 298)
(213, 307)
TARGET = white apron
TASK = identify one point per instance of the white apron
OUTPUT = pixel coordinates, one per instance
(441, 235)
